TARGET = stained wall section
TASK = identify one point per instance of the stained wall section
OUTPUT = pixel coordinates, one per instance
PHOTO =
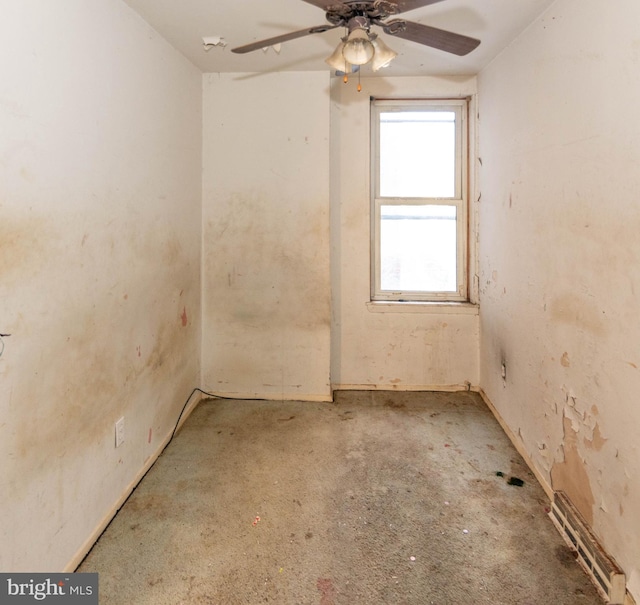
(560, 258)
(266, 290)
(100, 197)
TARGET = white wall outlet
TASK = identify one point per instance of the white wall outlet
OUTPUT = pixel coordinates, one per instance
(120, 432)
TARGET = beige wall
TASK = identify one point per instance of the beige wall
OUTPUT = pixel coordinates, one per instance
(99, 265)
(101, 227)
(266, 292)
(374, 346)
(560, 257)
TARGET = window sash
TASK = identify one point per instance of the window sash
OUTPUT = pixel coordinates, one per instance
(459, 201)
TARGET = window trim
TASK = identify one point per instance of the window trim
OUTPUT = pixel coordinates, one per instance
(461, 107)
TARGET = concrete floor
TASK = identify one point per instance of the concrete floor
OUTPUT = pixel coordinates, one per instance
(378, 498)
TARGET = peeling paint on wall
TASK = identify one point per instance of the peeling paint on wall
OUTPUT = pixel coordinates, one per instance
(569, 474)
(569, 255)
(596, 441)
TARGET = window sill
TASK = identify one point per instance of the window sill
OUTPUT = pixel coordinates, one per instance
(445, 308)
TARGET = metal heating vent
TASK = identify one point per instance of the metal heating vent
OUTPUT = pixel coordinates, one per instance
(606, 575)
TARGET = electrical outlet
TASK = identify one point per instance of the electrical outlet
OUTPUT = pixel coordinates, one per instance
(120, 432)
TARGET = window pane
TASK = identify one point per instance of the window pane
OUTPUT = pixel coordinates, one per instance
(418, 248)
(418, 154)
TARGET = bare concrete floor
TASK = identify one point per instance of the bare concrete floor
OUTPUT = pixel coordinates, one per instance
(377, 498)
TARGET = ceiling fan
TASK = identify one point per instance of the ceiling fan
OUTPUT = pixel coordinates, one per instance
(360, 45)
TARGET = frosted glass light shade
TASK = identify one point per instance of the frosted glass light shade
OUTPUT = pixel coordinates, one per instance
(337, 60)
(358, 49)
(383, 54)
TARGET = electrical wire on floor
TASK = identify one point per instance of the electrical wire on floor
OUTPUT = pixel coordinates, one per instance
(2, 336)
(211, 396)
(184, 407)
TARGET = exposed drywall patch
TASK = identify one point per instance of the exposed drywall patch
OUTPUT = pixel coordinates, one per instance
(564, 360)
(570, 474)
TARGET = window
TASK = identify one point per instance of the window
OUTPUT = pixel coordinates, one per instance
(419, 208)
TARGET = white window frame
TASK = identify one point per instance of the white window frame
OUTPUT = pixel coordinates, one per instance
(459, 200)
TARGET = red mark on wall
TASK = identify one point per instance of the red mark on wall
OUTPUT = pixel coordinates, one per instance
(150, 433)
(327, 591)
(184, 316)
(139, 350)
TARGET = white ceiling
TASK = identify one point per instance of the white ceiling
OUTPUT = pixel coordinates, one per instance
(185, 22)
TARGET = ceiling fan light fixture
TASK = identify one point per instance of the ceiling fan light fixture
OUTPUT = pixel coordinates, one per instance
(336, 60)
(358, 49)
(383, 55)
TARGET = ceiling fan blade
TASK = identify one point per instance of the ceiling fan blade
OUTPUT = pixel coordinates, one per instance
(325, 5)
(409, 5)
(247, 48)
(441, 39)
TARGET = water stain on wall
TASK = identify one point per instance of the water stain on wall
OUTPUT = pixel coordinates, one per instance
(23, 246)
(83, 378)
(578, 312)
(268, 265)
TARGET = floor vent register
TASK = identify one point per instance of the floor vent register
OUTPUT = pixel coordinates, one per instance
(608, 578)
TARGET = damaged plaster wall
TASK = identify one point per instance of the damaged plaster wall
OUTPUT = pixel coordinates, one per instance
(100, 203)
(266, 291)
(375, 346)
(560, 258)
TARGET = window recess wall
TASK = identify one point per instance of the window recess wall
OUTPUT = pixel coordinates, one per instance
(388, 344)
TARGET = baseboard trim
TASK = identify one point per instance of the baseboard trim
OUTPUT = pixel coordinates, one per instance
(82, 552)
(251, 396)
(517, 443)
(445, 388)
